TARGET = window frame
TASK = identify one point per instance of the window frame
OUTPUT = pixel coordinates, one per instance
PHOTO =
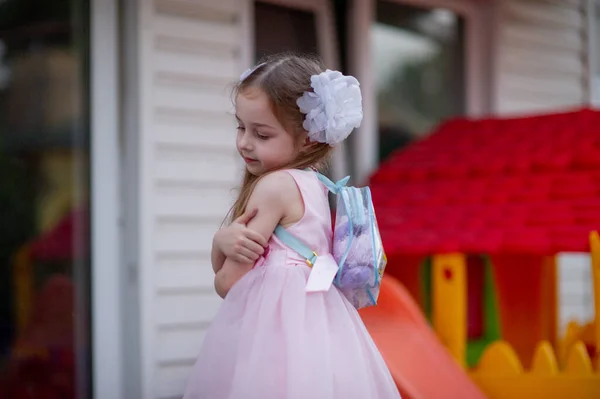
(478, 59)
(327, 47)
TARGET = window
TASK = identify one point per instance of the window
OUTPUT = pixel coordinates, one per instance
(279, 28)
(44, 240)
(418, 71)
(418, 63)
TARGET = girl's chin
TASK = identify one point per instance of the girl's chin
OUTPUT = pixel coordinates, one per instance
(258, 170)
(254, 169)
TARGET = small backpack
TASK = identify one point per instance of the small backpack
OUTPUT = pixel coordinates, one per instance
(357, 246)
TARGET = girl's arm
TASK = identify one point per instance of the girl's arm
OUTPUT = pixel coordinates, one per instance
(217, 257)
(274, 196)
(238, 242)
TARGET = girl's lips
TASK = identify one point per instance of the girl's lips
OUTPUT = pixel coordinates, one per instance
(249, 160)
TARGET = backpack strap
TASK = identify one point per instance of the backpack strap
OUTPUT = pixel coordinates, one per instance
(333, 187)
(288, 239)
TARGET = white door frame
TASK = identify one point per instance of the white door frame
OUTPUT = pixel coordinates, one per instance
(327, 47)
(477, 67)
(107, 348)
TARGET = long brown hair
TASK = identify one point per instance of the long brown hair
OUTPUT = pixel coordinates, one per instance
(283, 78)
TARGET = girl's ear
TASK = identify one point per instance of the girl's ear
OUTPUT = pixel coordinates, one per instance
(307, 144)
(304, 142)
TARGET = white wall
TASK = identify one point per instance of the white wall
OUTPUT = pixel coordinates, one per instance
(189, 54)
(539, 56)
(593, 10)
(575, 289)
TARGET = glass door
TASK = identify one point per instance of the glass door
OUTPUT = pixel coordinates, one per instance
(418, 71)
(44, 207)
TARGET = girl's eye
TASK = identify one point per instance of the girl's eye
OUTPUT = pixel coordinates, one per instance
(241, 128)
(261, 137)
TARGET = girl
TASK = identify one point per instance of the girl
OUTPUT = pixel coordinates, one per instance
(271, 339)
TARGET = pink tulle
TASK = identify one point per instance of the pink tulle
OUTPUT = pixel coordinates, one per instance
(272, 340)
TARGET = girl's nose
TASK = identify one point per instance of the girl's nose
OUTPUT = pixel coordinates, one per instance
(244, 142)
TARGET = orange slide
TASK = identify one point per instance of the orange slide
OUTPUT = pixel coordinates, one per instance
(419, 363)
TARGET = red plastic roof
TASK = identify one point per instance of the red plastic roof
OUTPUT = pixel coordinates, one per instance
(528, 185)
(62, 243)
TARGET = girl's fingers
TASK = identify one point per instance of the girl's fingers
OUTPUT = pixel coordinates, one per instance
(256, 237)
(247, 216)
(254, 247)
(244, 260)
(248, 255)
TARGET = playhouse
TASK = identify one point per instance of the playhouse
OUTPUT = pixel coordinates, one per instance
(42, 358)
(472, 219)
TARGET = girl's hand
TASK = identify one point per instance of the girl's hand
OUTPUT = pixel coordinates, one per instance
(276, 196)
(238, 242)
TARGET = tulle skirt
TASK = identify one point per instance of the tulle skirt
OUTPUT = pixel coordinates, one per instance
(272, 340)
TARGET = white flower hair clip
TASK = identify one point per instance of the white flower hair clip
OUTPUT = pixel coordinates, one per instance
(333, 109)
(249, 72)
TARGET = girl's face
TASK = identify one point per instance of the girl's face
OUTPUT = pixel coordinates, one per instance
(262, 141)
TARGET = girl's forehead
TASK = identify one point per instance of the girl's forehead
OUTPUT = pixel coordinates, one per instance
(252, 98)
(252, 105)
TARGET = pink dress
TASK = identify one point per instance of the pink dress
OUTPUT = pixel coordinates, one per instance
(272, 340)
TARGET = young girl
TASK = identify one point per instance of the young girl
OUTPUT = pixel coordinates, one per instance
(271, 339)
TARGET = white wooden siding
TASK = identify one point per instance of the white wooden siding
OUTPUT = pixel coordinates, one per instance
(575, 289)
(189, 56)
(540, 56)
(593, 12)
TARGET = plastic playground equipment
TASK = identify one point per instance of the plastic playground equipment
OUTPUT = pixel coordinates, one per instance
(472, 236)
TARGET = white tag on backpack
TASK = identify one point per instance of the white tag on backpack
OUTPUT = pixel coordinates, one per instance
(322, 274)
